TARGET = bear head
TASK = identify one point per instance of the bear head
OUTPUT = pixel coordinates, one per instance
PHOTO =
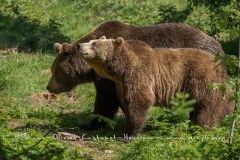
(98, 51)
(64, 76)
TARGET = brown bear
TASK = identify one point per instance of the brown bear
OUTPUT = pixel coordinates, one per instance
(69, 69)
(145, 77)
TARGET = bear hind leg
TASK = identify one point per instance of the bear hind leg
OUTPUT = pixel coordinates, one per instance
(205, 116)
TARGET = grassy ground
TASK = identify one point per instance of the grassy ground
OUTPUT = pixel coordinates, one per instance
(28, 111)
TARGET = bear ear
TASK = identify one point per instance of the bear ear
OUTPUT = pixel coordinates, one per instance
(103, 37)
(67, 48)
(57, 47)
(119, 41)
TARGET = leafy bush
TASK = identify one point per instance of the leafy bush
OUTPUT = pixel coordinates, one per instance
(34, 145)
(222, 17)
(28, 142)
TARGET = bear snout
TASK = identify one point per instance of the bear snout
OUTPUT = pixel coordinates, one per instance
(54, 90)
(82, 49)
(48, 87)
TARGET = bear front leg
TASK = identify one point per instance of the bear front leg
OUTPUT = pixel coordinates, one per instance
(106, 102)
(136, 114)
(106, 105)
(136, 100)
(135, 121)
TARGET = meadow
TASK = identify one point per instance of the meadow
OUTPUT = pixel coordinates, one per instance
(35, 125)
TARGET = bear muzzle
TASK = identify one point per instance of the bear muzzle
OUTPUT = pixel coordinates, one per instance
(83, 49)
(55, 91)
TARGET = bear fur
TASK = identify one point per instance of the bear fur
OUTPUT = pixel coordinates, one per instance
(70, 70)
(145, 77)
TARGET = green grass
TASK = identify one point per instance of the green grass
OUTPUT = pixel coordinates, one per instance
(24, 76)
(22, 70)
(27, 75)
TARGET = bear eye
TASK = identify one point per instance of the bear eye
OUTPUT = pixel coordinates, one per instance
(94, 45)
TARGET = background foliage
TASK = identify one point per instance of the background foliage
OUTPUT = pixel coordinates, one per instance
(27, 126)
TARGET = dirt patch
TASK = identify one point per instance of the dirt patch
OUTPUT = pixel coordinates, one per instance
(52, 98)
(5, 52)
(44, 96)
(15, 124)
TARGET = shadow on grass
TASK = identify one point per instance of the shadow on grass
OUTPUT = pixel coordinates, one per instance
(71, 122)
(29, 35)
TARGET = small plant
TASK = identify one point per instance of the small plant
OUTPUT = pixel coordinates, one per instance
(181, 104)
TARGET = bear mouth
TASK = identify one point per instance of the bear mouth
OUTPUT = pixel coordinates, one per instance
(59, 90)
(84, 53)
(56, 91)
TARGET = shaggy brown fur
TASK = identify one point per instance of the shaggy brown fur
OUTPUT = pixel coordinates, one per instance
(145, 77)
(69, 69)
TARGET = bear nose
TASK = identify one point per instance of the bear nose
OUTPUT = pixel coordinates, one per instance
(48, 87)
